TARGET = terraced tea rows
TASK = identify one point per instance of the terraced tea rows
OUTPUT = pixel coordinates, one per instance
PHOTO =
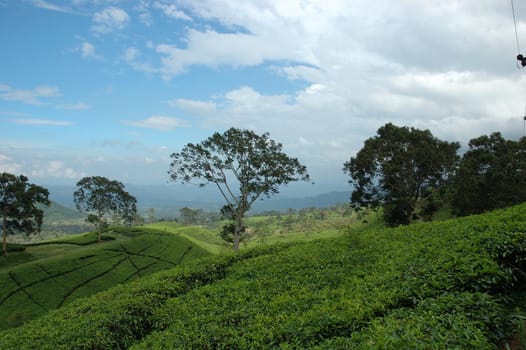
(34, 288)
(457, 284)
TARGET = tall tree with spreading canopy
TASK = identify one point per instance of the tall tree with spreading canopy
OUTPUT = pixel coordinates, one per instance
(492, 174)
(101, 197)
(398, 168)
(19, 206)
(253, 163)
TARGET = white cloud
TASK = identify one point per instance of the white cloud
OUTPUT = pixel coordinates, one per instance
(14, 114)
(130, 56)
(56, 169)
(7, 165)
(158, 123)
(87, 50)
(172, 11)
(110, 19)
(40, 122)
(200, 108)
(74, 106)
(31, 97)
(211, 48)
(49, 6)
(353, 66)
(146, 19)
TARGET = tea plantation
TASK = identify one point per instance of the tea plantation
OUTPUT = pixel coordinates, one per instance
(64, 270)
(456, 284)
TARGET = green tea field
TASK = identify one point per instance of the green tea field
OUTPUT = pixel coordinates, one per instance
(49, 275)
(456, 284)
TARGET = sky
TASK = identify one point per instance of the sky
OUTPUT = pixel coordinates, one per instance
(113, 87)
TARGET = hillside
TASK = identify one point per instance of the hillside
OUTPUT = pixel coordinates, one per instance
(169, 198)
(51, 274)
(443, 285)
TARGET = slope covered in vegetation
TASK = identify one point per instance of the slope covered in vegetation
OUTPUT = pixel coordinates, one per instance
(63, 270)
(452, 284)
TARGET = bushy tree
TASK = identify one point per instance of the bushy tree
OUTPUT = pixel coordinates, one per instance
(19, 208)
(253, 163)
(189, 216)
(398, 168)
(101, 197)
(492, 174)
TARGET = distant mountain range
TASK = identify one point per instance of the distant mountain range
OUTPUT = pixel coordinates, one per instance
(169, 198)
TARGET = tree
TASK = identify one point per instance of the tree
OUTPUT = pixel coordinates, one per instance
(18, 206)
(101, 197)
(492, 174)
(189, 216)
(398, 168)
(254, 163)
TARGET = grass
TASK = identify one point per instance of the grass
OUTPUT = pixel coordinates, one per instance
(204, 238)
(51, 274)
(455, 284)
(264, 230)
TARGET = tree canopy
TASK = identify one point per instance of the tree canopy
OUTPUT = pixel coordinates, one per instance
(492, 174)
(253, 163)
(399, 168)
(19, 208)
(100, 197)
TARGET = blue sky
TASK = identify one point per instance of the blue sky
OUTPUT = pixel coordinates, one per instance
(113, 87)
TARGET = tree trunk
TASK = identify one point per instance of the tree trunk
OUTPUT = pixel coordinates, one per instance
(99, 229)
(238, 227)
(4, 242)
(4, 236)
(236, 237)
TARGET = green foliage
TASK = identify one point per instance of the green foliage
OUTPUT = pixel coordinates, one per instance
(492, 174)
(425, 286)
(19, 210)
(100, 197)
(398, 168)
(30, 290)
(190, 216)
(116, 318)
(439, 285)
(241, 158)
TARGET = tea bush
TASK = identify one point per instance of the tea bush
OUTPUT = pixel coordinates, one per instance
(30, 290)
(116, 318)
(440, 285)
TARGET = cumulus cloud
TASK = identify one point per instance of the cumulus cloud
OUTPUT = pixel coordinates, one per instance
(88, 50)
(8, 165)
(211, 48)
(32, 96)
(162, 123)
(131, 56)
(56, 169)
(110, 19)
(353, 66)
(172, 11)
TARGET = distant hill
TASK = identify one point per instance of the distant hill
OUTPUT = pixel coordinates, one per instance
(169, 198)
(320, 201)
(58, 213)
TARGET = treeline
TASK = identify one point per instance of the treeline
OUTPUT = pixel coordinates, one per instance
(407, 172)
(410, 174)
